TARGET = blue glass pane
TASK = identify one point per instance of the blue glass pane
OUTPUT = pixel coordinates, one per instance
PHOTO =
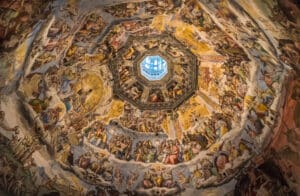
(154, 67)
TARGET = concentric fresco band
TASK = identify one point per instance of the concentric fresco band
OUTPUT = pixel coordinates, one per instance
(172, 97)
(166, 92)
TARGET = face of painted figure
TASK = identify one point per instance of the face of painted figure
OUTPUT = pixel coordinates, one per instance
(221, 161)
(2, 115)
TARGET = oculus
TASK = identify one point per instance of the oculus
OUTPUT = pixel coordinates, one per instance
(154, 67)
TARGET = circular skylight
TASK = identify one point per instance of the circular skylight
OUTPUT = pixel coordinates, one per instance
(154, 67)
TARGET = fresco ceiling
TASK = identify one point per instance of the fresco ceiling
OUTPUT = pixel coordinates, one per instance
(174, 97)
